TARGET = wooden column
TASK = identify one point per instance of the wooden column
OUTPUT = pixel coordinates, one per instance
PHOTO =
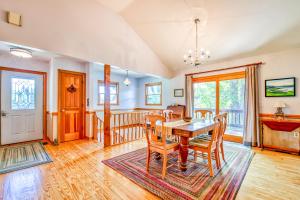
(107, 106)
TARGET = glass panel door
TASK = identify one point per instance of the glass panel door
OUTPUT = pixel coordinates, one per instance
(205, 96)
(232, 100)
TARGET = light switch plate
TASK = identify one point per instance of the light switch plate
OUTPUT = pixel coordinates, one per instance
(14, 18)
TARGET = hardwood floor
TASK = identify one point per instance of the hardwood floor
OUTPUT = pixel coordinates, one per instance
(77, 173)
(272, 175)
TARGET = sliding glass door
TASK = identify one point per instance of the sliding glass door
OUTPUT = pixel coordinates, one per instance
(223, 93)
(205, 96)
(232, 101)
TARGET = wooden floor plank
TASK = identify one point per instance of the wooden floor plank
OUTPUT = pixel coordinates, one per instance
(77, 173)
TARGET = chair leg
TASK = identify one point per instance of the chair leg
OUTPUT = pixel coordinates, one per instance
(217, 157)
(164, 169)
(148, 159)
(211, 171)
(222, 151)
(195, 155)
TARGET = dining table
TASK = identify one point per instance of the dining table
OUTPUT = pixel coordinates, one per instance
(186, 130)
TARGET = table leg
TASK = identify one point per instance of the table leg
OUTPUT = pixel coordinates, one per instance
(184, 151)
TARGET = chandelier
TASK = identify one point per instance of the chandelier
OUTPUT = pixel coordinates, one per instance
(195, 58)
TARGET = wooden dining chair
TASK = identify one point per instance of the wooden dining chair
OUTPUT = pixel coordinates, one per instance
(203, 114)
(222, 118)
(156, 135)
(168, 114)
(208, 146)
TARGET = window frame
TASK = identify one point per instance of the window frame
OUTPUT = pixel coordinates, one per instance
(146, 95)
(117, 92)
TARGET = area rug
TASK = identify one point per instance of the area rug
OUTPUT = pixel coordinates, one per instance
(195, 183)
(20, 156)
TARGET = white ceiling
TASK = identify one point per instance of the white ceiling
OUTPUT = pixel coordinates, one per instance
(229, 28)
(132, 74)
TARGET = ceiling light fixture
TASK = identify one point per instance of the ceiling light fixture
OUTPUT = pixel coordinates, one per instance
(195, 58)
(126, 81)
(23, 53)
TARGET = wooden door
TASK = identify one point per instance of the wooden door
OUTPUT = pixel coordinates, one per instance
(71, 105)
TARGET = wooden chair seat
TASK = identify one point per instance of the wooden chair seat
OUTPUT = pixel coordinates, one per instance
(204, 137)
(199, 143)
(168, 145)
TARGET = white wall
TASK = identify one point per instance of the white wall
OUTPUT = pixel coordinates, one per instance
(8, 60)
(128, 95)
(166, 92)
(277, 65)
(55, 65)
(80, 29)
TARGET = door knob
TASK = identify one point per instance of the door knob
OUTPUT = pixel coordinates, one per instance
(62, 110)
(3, 114)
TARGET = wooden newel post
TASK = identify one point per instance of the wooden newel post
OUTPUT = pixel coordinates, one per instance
(107, 106)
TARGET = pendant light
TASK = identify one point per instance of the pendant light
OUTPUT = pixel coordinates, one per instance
(196, 57)
(126, 81)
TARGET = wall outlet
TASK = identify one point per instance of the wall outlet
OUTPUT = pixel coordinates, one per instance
(296, 134)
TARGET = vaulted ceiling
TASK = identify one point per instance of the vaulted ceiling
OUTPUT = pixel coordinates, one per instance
(229, 28)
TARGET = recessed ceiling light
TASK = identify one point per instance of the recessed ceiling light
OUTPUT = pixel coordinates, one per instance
(24, 53)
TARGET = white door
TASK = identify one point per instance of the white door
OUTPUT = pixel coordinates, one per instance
(21, 107)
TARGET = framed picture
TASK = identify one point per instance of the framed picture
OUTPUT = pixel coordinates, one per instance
(283, 87)
(178, 92)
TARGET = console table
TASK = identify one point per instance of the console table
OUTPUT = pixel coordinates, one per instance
(286, 125)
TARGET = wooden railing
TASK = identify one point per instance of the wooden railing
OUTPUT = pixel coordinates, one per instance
(98, 125)
(124, 126)
(235, 116)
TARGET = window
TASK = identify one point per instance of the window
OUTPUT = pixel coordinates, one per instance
(153, 94)
(22, 93)
(114, 93)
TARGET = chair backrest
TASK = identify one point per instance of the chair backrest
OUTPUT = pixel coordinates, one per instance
(168, 114)
(222, 118)
(214, 137)
(203, 114)
(155, 132)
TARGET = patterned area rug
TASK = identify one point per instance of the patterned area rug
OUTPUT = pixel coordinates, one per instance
(195, 183)
(22, 156)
